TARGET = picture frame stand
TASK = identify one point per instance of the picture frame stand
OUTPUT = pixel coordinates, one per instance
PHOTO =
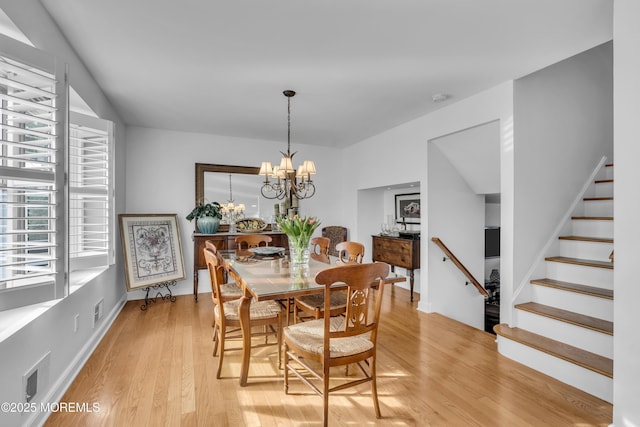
(169, 296)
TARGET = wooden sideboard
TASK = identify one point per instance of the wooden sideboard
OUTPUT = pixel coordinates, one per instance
(398, 252)
(223, 241)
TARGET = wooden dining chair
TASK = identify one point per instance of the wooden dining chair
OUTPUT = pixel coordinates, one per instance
(350, 252)
(226, 317)
(313, 305)
(342, 340)
(320, 245)
(229, 290)
(247, 241)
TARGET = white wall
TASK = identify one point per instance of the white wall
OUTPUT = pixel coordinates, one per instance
(492, 214)
(372, 202)
(399, 155)
(475, 153)
(52, 331)
(563, 118)
(626, 341)
(377, 205)
(161, 179)
(491, 219)
(456, 216)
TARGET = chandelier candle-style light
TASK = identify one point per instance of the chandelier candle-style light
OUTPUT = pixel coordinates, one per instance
(287, 181)
(230, 212)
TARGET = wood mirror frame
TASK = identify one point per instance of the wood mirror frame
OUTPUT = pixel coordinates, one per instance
(202, 168)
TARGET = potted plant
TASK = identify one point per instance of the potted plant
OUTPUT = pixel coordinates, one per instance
(207, 217)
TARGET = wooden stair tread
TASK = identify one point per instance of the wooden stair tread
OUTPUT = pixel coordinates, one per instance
(575, 287)
(587, 239)
(592, 199)
(580, 261)
(588, 322)
(593, 218)
(583, 358)
(603, 181)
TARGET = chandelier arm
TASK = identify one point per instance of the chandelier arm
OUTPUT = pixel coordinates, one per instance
(313, 189)
(266, 189)
(304, 190)
(278, 190)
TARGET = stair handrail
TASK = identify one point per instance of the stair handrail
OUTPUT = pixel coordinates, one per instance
(461, 266)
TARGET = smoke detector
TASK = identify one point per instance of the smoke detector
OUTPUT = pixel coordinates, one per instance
(439, 97)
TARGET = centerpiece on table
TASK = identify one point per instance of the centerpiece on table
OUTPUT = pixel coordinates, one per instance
(299, 231)
(207, 216)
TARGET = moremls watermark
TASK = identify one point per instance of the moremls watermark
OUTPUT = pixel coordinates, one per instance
(22, 407)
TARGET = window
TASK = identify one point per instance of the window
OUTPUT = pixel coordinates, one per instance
(49, 227)
(89, 191)
(31, 176)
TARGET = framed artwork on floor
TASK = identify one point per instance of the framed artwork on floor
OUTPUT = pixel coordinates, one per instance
(151, 248)
(408, 208)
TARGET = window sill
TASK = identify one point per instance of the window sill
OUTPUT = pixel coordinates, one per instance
(79, 278)
(11, 321)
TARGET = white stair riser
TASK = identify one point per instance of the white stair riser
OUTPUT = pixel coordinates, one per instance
(588, 305)
(604, 189)
(577, 336)
(567, 372)
(591, 276)
(589, 228)
(585, 250)
(598, 208)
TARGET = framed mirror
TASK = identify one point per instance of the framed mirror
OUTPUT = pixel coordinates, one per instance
(217, 183)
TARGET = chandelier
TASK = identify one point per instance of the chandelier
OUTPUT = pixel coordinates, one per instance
(287, 182)
(230, 212)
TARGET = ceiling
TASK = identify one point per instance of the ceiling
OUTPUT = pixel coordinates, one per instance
(359, 67)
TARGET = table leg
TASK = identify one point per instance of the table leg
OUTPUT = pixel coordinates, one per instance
(245, 326)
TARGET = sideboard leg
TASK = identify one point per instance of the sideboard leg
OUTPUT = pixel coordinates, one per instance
(195, 284)
(411, 283)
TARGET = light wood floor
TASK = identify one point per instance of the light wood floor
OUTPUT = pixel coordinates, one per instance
(155, 368)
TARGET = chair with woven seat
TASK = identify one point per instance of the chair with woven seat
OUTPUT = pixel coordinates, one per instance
(313, 305)
(335, 234)
(226, 317)
(342, 340)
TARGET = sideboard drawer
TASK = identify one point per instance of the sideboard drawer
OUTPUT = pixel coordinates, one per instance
(398, 252)
(402, 253)
(199, 245)
(398, 259)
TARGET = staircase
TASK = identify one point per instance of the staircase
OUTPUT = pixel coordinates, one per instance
(566, 330)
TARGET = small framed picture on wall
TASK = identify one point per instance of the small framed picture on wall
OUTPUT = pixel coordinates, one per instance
(408, 208)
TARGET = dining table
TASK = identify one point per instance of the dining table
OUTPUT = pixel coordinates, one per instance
(269, 275)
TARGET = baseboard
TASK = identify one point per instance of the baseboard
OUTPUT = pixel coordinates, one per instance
(66, 379)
